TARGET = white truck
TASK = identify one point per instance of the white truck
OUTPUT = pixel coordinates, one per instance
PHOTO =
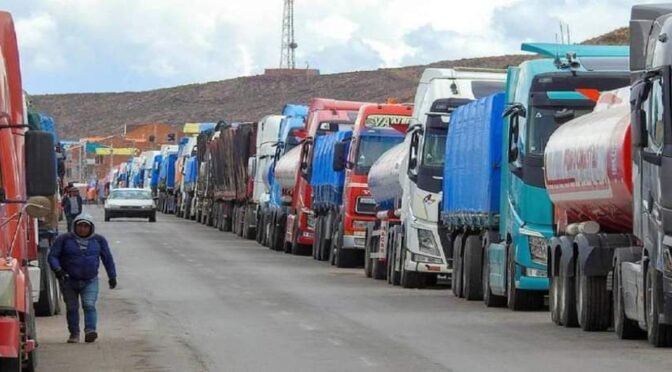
(414, 251)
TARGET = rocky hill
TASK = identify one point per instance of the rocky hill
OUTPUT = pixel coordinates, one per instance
(244, 98)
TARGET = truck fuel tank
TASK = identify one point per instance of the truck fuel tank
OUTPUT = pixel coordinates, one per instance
(588, 166)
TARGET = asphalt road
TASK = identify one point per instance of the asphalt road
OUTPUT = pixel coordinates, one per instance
(192, 298)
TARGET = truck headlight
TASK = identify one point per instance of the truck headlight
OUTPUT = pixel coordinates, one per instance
(7, 290)
(421, 258)
(538, 249)
(427, 243)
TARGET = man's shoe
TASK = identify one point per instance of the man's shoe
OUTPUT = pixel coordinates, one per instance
(90, 336)
(74, 338)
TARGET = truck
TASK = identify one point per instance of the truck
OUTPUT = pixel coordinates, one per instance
(28, 186)
(613, 244)
(166, 184)
(187, 167)
(291, 133)
(268, 130)
(149, 175)
(229, 184)
(541, 95)
(415, 250)
(324, 116)
(48, 302)
(340, 230)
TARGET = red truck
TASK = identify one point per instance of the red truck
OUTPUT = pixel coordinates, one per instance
(324, 116)
(27, 188)
(341, 234)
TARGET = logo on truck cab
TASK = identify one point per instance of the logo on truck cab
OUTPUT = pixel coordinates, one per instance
(386, 121)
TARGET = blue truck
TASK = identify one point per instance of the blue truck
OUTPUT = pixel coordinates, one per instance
(275, 213)
(507, 265)
(166, 179)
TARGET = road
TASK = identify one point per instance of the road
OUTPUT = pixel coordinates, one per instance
(192, 298)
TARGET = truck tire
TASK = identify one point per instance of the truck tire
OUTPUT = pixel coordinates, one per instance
(317, 237)
(471, 269)
(592, 301)
(261, 228)
(567, 304)
(249, 231)
(626, 329)
(46, 305)
(519, 299)
(456, 280)
(297, 248)
(659, 335)
(378, 269)
(393, 276)
(490, 299)
(343, 257)
(554, 297)
(368, 261)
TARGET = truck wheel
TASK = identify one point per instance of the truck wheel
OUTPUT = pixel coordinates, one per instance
(317, 238)
(299, 249)
(409, 279)
(567, 298)
(626, 329)
(490, 299)
(592, 301)
(554, 297)
(456, 279)
(378, 269)
(249, 231)
(519, 299)
(46, 305)
(471, 269)
(261, 228)
(659, 335)
(368, 262)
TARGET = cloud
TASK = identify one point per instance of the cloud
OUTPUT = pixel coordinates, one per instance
(103, 45)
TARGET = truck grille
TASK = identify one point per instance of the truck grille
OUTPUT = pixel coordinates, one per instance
(365, 205)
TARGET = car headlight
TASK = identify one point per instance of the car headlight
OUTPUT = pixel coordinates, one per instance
(7, 289)
(427, 243)
(538, 249)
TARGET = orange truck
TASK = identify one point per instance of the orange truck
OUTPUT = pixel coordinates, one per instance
(27, 188)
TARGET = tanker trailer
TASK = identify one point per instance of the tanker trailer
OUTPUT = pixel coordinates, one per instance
(284, 174)
(588, 175)
(386, 190)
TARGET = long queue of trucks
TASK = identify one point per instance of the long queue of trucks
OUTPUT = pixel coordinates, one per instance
(548, 179)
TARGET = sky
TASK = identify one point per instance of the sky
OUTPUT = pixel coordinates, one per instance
(70, 46)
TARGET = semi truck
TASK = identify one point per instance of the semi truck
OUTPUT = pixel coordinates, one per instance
(613, 244)
(268, 131)
(28, 184)
(340, 230)
(414, 249)
(166, 184)
(187, 167)
(291, 133)
(541, 95)
(324, 116)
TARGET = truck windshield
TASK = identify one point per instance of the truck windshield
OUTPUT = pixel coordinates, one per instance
(543, 121)
(371, 148)
(434, 148)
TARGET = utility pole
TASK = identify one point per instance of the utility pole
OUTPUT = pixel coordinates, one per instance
(288, 45)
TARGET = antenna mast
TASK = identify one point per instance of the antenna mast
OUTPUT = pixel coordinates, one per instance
(288, 44)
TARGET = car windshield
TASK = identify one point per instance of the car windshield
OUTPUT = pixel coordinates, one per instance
(371, 148)
(131, 195)
(543, 121)
(434, 149)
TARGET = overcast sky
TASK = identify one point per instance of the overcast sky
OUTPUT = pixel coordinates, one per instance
(120, 45)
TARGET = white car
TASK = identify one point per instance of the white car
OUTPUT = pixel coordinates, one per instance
(130, 203)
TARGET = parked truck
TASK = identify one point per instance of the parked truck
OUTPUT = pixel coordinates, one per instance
(291, 133)
(187, 167)
(325, 116)
(340, 230)
(28, 184)
(414, 249)
(541, 95)
(166, 184)
(268, 131)
(611, 189)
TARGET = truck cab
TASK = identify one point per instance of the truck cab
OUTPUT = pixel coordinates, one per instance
(325, 116)
(541, 95)
(290, 134)
(419, 251)
(378, 128)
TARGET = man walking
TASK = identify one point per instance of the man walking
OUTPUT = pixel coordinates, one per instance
(72, 206)
(75, 258)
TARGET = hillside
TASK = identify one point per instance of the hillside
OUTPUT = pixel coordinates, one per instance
(241, 99)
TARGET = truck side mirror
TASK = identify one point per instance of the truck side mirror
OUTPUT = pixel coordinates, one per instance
(639, 94)
(40, 164)
(305, 154)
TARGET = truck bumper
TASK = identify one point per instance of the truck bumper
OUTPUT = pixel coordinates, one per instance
(304, 237)
(430, 268)
(9, 337)
(532, 283)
